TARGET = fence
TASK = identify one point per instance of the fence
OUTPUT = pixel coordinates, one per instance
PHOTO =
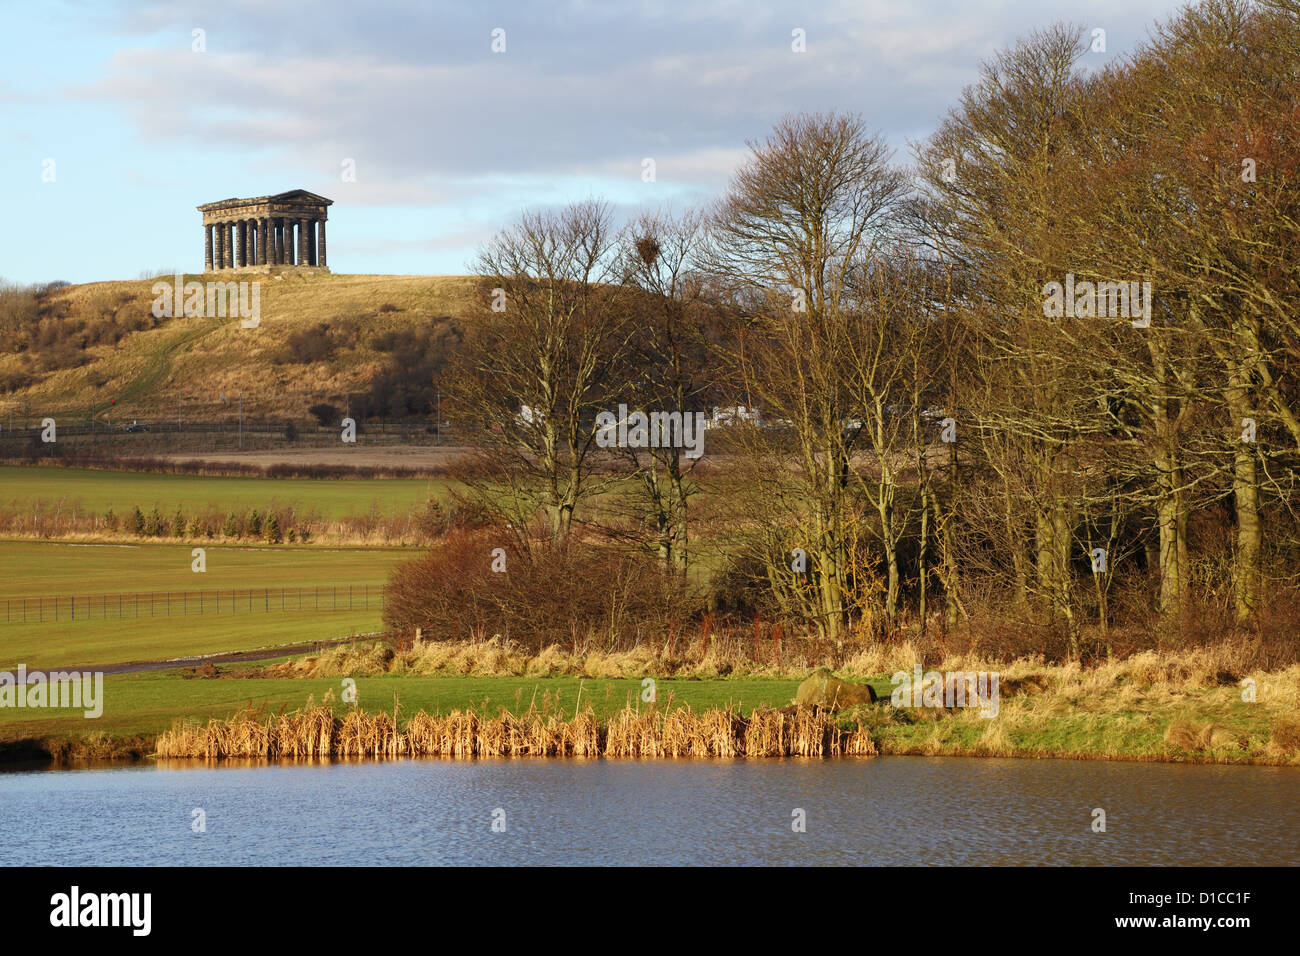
(24, 610)
(72, 424)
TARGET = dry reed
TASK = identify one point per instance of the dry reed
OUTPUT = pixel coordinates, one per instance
(678, 732)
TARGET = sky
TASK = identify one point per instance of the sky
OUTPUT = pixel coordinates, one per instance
(120, 118)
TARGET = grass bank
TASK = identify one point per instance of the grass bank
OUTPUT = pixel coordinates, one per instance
(1158, 707)
(538, 732)
(334, 599)
(98, 491)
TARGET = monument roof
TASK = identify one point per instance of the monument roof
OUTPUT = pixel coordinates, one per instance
(293, 195)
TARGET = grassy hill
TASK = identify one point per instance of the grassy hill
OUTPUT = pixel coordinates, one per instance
(321, 337)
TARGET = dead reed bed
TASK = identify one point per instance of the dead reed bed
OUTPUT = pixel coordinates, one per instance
(316, 731)
(226, 469)
(720, 655)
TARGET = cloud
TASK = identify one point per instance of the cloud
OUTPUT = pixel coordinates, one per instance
(449, 139)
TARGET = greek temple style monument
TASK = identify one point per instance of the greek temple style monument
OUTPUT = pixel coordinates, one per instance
(258, 234)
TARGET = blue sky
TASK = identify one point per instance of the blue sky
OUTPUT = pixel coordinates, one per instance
(450, 140)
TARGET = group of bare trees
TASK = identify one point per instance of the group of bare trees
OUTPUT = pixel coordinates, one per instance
(1051, 362)
(1108, 433)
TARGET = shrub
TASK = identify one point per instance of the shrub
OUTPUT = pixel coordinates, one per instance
(318, 343)
(136, 523)
(548, 595)
(271, 530)
(15, 379)
(230, 529)
(254, 526)
(324, 413)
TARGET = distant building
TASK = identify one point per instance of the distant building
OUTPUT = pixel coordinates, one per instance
(258, 234)
(732, 415)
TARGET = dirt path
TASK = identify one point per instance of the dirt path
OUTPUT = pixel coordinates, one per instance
(224, 657)
(397, 456)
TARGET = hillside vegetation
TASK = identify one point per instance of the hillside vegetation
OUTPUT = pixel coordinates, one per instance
(381, 338)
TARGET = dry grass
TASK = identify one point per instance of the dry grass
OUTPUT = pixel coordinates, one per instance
(709, 657)
(212, 357)
(1194, 706)
(316, 731)
(1148, 673)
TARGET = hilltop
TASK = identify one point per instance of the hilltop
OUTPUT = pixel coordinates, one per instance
(379, 339)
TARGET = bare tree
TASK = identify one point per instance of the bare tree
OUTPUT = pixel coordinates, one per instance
(667, 370)
(801, 217)
(546, 354)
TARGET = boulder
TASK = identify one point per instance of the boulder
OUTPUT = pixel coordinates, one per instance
(826, 692)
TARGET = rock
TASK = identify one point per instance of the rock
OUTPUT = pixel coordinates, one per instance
(788, 711)
(1183, 735)
(1017, 686)
(1189, 736)
(830, 693)
(1285, 735)
(1216, 737)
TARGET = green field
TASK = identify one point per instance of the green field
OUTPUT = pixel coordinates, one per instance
(96, 642)
(54, 567)
(98, 491)
(149, 703)
(57, 568)
(137, 707)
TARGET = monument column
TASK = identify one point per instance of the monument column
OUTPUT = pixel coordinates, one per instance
(207, 248)
(320, 249)
(261, 241)
(302, 243)
(229, 229)
(288, 242)
(219, 237)
(311, 244)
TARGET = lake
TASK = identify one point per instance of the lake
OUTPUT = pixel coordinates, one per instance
(882, 811)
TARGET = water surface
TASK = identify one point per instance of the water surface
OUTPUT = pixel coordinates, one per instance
(887, 810)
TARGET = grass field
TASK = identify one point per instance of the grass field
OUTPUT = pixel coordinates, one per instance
(49, 568)
(203, 358)
(55, 567)
(137, 704)
(96, 642)
(88, 489)
(138, 707)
